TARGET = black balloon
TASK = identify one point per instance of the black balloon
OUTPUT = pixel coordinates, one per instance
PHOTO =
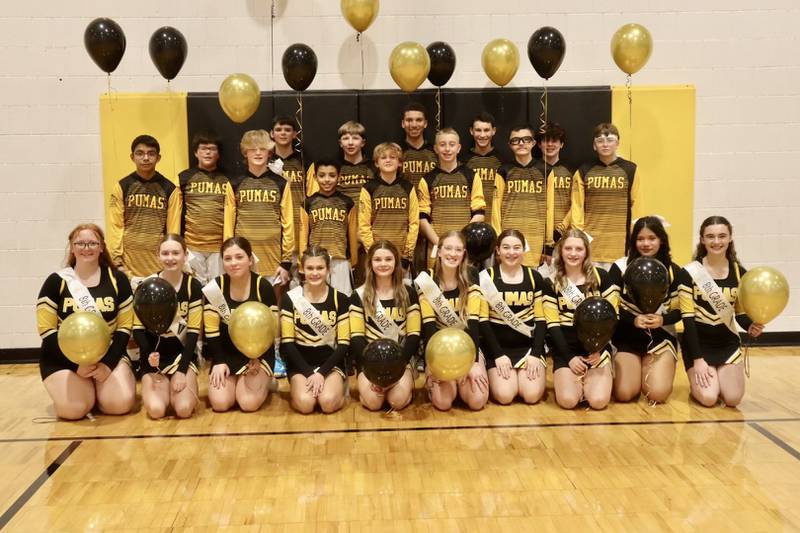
(443, 63)
(595, 320)
(105, 43)
(383, 362)
(299, 65)
(168, 51)
(647, 281)
(546, 49)
(155, 303)
(481, 238)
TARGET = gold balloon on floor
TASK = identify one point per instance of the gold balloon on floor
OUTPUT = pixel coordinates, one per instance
(450, 354)
(631, 47)
(252, 329)
(360, 13)
(84, 338)
(500, 61)
(764, 292)
(409, 65)
(239, 97)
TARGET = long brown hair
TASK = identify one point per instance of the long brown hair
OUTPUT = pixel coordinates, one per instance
(517, 234)
(587, 267)
(104, 259)
(462, 274)
(401, 299)
(700, 252)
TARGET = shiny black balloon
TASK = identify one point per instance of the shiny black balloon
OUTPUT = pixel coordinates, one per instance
(383, 362)
(443, 62)
(299, 65)
(546, 49)
(481, 239)
(155, 303)
(647, 281)
(168, 51)
(105, 43)
(595, 320)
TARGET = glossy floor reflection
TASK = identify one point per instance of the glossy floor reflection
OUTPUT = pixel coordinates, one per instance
(632, 467)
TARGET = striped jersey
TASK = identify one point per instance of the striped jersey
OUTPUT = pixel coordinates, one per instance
(485, 166)
(418, 161)
(295, 173)
(209, 209)
(329, 221)
(389, 211)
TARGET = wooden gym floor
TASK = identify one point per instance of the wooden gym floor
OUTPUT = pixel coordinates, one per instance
(632, 467)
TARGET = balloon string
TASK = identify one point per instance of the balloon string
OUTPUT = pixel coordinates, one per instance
(272, 16)
(750, 341)
(361, 43)
(628, 84)
(108, 89)
(649, 367)
(542, 125)
(298, 115)
(438, 108)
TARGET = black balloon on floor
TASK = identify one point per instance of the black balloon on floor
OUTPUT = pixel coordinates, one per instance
(105, 43)
(155, 303)
(647, 281)
(299, 65)
(595, 319)
(168, 51)
(481, 239)
(383, 362)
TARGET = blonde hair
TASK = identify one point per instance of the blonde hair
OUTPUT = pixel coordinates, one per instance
(587, 268)
(462, 274)
(351, 127)
(256, 139)
(400, 297)
(385, 147)
(105, 258)
(447, 131)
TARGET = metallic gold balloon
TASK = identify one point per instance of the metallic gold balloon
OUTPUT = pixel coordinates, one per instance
(252, 328)
(360, 13)
(500, 61)
(239, 97)
(84, 338)
(764, 292)
(450, 354)
(631, 47)
(409, 65)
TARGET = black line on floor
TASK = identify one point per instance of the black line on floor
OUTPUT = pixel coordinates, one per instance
(284, 433)
(38, 482)
(776, 439)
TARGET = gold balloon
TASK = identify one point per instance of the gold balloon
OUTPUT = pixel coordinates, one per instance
(631, 47)
(450, 354)
(84, 338)
(500, 61)
(239, 97)
(764, 292)
(252, 328)
(360, 13)
(409, 65)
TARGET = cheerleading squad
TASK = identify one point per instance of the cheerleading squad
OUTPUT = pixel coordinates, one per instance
(298, 240)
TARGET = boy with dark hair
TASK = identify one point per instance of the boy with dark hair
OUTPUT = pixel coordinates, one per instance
(604, 192)
(482, 157)
(551, 139)
(288, 162)
(209, 207)
(418, 156)
(144, 207)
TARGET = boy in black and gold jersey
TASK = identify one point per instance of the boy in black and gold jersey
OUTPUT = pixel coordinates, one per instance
(264, 209)
(209, 208)
(551, 139)
(284, 133)
(388, 207)
(450, 196)
(604, 192)
(144, 207)
(520, 200)
(482, 157)
(355, 170)
(419, 157)
(329, 219)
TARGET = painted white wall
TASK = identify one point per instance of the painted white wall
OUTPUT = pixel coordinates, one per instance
(739, 54)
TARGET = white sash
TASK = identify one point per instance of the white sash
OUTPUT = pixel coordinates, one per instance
(572, 294)
(622, 264)
(388, 327)
(313, 317)
(713, 294)
(440, 305)
(83, 299)
(214, 296)
(499, 305)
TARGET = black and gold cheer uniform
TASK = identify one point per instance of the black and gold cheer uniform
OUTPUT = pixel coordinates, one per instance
(520, 203)
(303, 349)
(389, 211)
(431, 322)
(113, 299)
(209, 209)
(602, 199)
(221, 349)
(140, 213)
(330, 221)
(173, 355)
(564, 343)
(485, 167)
(704, 333)
(559, 203)
(294, 172)
(417, 161)
(629, 338)
(524, 299)
(264, 217)
(364, 329)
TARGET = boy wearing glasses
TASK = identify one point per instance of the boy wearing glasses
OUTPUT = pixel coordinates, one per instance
(209, 207)
(520, 196)
(603, 194)
(144, 207)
